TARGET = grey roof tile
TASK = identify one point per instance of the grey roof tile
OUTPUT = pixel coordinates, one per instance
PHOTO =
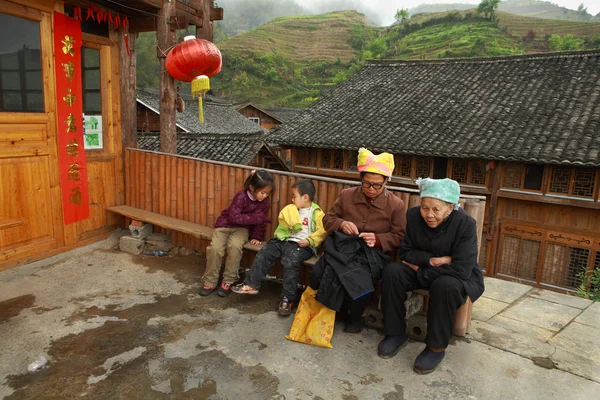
(541, 108)
(225, 136)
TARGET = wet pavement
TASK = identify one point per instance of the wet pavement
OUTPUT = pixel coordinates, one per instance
(112, 325)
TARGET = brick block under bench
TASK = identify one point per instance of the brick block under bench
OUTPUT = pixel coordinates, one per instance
(462, 320)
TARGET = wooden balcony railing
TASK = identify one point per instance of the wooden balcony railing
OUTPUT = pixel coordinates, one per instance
(198, 190)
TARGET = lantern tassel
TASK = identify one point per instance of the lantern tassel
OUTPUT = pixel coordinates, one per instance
(200, 110)
(200, 85)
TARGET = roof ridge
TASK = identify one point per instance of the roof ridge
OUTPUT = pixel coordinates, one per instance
(465, 60)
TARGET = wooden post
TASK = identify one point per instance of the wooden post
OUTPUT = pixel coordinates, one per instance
(128, 96)
(206, 30)
(166, 38)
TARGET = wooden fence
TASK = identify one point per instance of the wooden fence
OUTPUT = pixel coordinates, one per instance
(198, 190)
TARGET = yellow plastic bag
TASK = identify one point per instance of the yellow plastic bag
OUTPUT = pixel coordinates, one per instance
(313, 323)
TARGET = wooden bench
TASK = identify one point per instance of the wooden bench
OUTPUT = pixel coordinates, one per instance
(462, 319)
(179, 225)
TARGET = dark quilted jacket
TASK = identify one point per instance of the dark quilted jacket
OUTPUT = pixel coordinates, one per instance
(244, 212)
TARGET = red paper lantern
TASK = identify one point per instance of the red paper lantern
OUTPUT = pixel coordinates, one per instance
(195, 60)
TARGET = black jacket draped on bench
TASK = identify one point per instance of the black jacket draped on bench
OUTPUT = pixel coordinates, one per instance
(347, 266)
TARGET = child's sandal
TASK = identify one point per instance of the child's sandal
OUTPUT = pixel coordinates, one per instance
(206, 290)
(244, 289)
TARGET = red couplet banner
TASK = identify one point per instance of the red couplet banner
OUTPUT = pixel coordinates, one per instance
(69, 113)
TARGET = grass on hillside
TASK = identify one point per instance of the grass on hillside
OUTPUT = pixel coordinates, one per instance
(298, 37)
(518, 25)
(449, 40)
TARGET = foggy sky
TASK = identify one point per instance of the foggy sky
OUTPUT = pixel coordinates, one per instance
(385, 9)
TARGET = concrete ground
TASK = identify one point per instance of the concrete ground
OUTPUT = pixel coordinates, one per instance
(112, 325)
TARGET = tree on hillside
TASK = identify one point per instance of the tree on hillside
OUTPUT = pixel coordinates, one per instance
(401, 15)
(488, 8)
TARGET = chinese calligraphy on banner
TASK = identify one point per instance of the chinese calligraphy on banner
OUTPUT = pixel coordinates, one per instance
(69, 111)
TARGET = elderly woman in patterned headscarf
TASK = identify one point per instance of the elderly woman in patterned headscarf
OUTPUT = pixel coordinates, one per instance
(438, 253)
(372, 213)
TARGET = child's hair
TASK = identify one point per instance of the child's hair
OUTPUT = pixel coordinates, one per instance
(305, 186)
(259, 179)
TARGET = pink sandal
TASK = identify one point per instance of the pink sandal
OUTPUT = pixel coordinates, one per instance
(244, 289)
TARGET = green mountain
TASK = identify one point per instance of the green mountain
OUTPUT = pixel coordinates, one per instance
(528, 8)
(291, 61)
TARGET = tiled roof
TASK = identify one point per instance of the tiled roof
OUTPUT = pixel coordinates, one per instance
(226, 135)
(541, 108)
(283, 114)
(226, 148)
(220, 117)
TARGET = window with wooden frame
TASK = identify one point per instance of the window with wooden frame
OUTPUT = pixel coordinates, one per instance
(403, 166)
(337, 159)
(423, 167)
(301, 156)
(573, 181)
(469, 172)
(352, 160)
(523, 176)
(21, 86)
(325, 161)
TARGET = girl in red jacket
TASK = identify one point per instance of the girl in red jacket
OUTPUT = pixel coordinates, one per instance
(245, 218)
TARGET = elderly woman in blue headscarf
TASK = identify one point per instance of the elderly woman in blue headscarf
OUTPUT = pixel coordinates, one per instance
(438, 253)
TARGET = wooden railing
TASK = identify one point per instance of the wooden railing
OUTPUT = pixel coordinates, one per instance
(198, 190)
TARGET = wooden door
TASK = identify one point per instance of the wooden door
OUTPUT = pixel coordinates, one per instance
(30, 207)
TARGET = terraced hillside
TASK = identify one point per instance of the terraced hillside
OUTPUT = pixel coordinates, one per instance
(519, 25)
(292, 61)
(302, 38)
(459, 39)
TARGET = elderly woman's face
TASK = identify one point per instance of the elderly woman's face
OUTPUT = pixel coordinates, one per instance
(435, 211)
(372, 184)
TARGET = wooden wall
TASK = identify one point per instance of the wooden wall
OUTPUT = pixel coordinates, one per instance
(266, 121)
(148, 120)
(198, 190)
(31, 214)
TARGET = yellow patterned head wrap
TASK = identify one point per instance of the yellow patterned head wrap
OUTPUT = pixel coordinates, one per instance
(382, 164)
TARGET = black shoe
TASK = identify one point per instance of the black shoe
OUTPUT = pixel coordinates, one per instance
(224, 290)
(391, 345)
(206, 290)
(285, 306)
(427, 361)
(354, 326)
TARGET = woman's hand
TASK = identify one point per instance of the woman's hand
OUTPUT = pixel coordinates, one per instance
(255, 242)
(303, 243)
(349, 228)
(369, 238)
(439, 261)
(413, 266)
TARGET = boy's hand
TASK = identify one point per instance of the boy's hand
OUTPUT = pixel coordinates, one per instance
(303, 243)
(349, 228)
(255, 242)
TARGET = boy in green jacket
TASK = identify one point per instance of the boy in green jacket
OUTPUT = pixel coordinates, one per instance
(299, 233)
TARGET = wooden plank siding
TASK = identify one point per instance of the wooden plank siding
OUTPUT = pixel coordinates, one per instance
(198, 190)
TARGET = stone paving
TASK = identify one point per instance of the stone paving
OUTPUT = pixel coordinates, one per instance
(113, 325)
(540, 324)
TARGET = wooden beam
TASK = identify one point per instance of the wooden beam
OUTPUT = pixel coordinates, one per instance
(216, 14)
(165, 35)
(149, 24)
(146, 24)
(205, 29)
(128, 96)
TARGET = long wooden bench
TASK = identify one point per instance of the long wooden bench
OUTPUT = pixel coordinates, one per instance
(179, 225)
(462, 319)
